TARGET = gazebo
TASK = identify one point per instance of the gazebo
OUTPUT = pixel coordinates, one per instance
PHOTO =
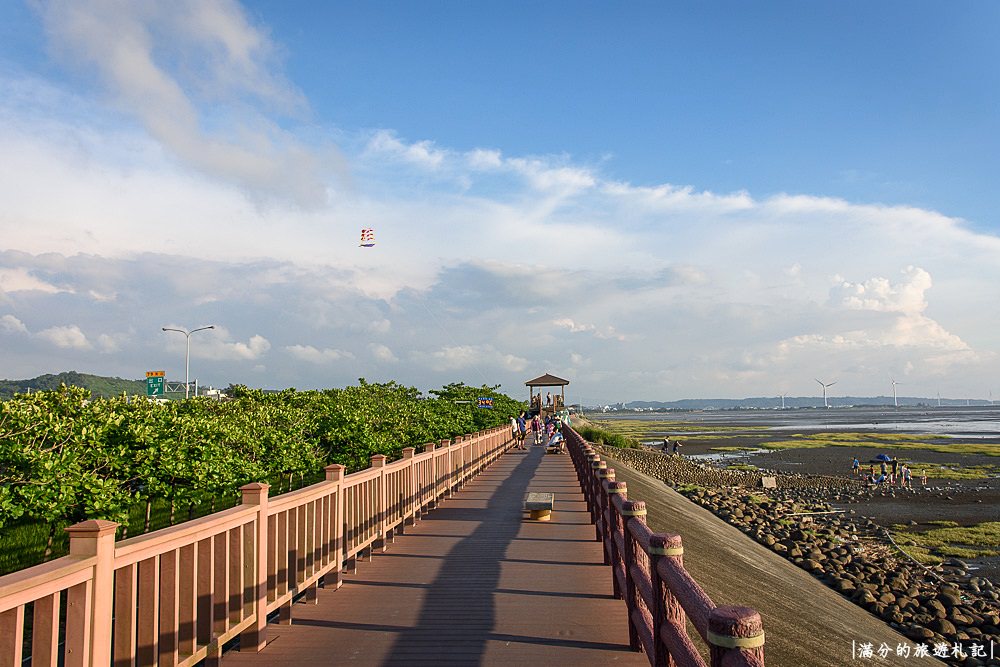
(543, 381)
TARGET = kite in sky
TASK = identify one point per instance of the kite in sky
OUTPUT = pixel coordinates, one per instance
(367, 238)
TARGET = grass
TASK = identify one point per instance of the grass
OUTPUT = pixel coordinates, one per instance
(949, 540)
(601, 436)
(734, 449)
(644, 428)
(954, 471)
(741, 466)
(921, 555)
(902, 441)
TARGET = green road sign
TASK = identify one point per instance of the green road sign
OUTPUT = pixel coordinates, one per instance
(154, 383)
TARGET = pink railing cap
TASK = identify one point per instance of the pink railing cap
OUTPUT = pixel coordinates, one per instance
(665, 544)
(334, 472)
(92, 528)
(617, 487)
(255, 486)
(634, 508)
(735, 627)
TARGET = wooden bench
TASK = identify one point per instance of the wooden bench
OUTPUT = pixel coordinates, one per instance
(539, 505)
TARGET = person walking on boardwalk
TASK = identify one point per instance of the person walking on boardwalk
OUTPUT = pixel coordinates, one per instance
(536, 428)
(513, 428)
(522, 430)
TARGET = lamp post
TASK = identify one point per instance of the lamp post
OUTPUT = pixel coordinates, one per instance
(187, 355)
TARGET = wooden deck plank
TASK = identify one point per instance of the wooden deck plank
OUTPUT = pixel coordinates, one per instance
(473, 583)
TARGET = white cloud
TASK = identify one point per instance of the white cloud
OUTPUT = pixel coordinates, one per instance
(20, 280)
(382, 353)
(203, 113)
(217, 344)
(254, 348)
(879, 294)
(606, 333)
(68, 337)
(317, 356)
(421, 153)
(111, 343)
(477, 357)
(10, 324)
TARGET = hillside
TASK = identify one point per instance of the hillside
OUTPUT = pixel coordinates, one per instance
(98, 385)
(772, 402)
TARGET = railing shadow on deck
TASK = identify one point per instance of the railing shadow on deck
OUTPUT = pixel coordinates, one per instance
(648, 574)
(178, 595)
(470, 571)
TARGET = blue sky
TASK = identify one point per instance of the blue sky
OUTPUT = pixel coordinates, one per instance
(656, 201)
(882, 102)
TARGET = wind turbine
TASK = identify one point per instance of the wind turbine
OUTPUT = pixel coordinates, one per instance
(782, 400)
(825, 385)
(895, 403)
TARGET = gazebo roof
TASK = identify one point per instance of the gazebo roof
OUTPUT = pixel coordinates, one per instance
(546, 380)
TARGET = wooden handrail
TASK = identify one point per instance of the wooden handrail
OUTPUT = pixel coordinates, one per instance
(648, 574)
(176, 596)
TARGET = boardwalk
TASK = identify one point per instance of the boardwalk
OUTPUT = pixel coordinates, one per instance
(473, 583)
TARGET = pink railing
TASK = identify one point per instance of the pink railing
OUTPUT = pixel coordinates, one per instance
(648, 574)
(176, 596)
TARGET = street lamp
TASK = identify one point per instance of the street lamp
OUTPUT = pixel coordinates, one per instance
(187, 356)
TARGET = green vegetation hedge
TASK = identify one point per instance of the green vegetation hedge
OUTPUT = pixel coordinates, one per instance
(65, 458)
(600, 436)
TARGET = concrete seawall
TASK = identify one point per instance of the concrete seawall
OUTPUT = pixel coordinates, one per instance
(806, 623)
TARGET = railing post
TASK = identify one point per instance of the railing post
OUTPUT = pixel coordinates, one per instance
(446, 473)
(467, 448)
(88, 617)
(378, 461)
(735, 636)
(588, 479)
(667, 609)
(335, 473)
(632, 510)
(616, 527)
(412, 504)
(598, 469)
(606, 476)
(254, 637)
(432, 473)
(455, 464)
